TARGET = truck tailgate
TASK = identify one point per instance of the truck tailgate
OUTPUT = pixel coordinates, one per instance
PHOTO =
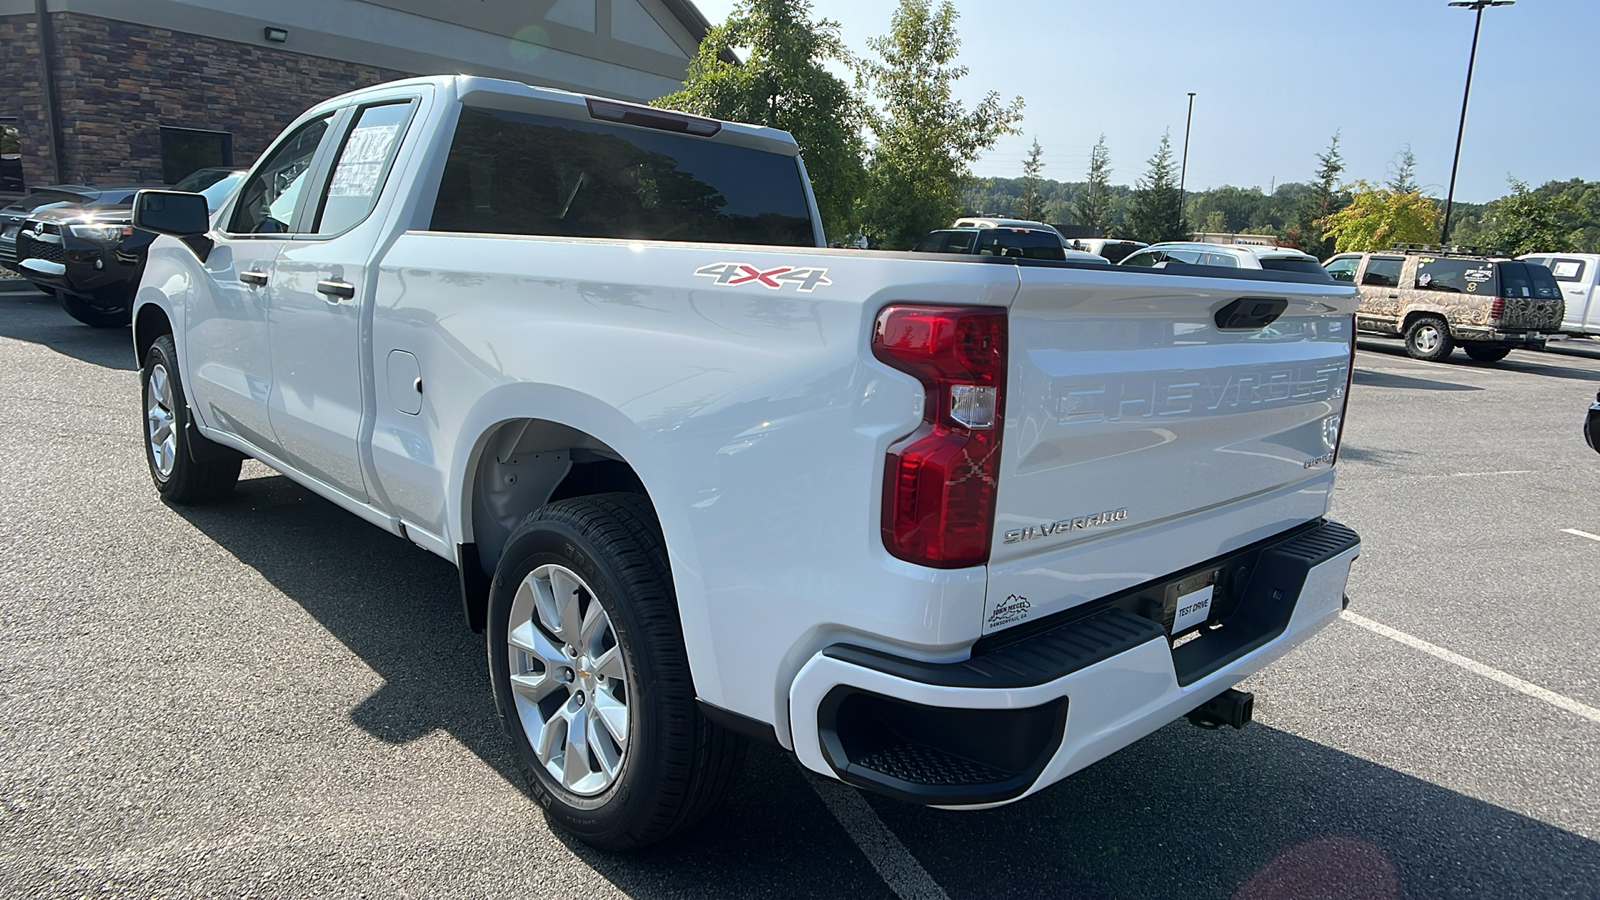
(1128, 407)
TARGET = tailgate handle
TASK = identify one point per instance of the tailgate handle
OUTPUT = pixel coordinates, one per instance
(1247, 313)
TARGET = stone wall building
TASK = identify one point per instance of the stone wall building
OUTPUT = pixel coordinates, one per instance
(149, 90)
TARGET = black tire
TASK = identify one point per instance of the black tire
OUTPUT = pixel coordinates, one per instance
(179, 475)
(677, 766)
(1482, 352)
(1428, 338)
(95, 312)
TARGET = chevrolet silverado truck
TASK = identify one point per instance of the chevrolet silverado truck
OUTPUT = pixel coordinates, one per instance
(947, 528)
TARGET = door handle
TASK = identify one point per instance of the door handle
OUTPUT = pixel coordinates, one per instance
(1394, 296)
(336, 290)
(253, 277)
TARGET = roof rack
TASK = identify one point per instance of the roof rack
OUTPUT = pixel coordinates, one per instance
(1451, 250)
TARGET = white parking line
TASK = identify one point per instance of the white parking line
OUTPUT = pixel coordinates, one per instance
(1585, 534)
(1472, 665)
(895, 864)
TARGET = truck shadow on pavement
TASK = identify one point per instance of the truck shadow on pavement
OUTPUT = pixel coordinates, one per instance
(1533, 362)
(39, 319)
(1186, 813)
(1368, 378)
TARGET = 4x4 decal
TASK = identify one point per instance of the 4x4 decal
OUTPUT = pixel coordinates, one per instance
(731, 273)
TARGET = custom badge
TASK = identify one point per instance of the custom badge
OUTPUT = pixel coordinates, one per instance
(734, 274)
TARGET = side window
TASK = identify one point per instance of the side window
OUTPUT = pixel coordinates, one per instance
(1456, 276)
(1219, 259)
(363, 164)
(1144, 260)
(1383, 271)
(268, 198)
(1343, 268)
(1564, 269)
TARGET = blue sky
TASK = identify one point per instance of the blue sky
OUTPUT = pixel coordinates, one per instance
(1274, 79)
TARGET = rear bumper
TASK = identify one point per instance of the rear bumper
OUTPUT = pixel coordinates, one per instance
(1025, 714)
(1524, 340)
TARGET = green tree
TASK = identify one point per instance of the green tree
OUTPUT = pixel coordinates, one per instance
(1155, 213)
(1032, 201)
(1216, 222)
(1378, 217)
(1093, 207)
(1324, 200)
(926, 138)
(1404, 178)
(784, 83)
(1527, 221)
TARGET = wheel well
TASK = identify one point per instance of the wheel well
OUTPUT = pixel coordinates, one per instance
(523, 465)
(1416, 314)
(150, 324)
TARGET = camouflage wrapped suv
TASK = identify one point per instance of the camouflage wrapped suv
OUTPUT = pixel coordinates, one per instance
(1436, 299)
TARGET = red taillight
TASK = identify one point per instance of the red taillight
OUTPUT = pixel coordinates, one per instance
(939, 483)
(1497, 308)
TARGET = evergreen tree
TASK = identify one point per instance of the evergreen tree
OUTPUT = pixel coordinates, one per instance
(1032, 201)
(785, 84)
(1324, 200)
(1404, 179)
(1156, 212)
(925, 137)
(1094, 204)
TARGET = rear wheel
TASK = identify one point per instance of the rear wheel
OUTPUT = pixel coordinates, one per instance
(171, 444)
(98, 313)
(591, 678)
(1428, 338)
(1486, 352)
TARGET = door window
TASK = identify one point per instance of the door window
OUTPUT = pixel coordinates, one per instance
(1564, 269)
(1383, 271)
(1343, 268)
(362, 166)
(267, 200)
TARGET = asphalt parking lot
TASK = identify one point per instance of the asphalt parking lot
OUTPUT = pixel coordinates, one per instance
(272, 698)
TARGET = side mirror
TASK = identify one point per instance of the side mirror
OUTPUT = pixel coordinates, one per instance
(177, 213)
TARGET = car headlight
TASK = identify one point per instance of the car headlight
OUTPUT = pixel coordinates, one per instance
(101, 233)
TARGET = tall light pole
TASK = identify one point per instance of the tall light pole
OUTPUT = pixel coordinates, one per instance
(1449, 199)
(1183, 167)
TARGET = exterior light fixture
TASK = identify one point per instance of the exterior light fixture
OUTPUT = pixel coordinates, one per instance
(276, 35)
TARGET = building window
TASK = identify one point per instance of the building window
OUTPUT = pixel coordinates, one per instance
(10, 156)
(184, 150)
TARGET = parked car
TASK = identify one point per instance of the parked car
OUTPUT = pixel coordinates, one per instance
(1022, 243)
(1113, 249)
(1228, 256)
(704, 478)
(13, 216)
(986, 222)
(1578, 274)
(1436, 299)
(91, 257)
(1591, 425)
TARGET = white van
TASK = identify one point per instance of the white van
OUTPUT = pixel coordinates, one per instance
(1576, 273)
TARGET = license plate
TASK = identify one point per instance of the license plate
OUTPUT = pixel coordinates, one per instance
(1193, 608)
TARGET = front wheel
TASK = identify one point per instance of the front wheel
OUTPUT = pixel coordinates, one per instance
(171, 444)
(1428, 338)
(1486, 352)
(95, 312)
(591, 678)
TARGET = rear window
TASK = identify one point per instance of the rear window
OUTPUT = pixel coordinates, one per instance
(946, 242)
(1456, 276)
(520, 173)
(1518, 279)
(1020, 244)
(1283, 264)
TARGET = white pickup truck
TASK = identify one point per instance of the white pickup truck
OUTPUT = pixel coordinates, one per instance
(946, 528)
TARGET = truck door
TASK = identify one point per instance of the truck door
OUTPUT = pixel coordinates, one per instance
(227, 362)
(320, 292)
(1576, 277)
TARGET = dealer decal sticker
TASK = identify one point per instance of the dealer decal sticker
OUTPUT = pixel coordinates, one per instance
(740, 274)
